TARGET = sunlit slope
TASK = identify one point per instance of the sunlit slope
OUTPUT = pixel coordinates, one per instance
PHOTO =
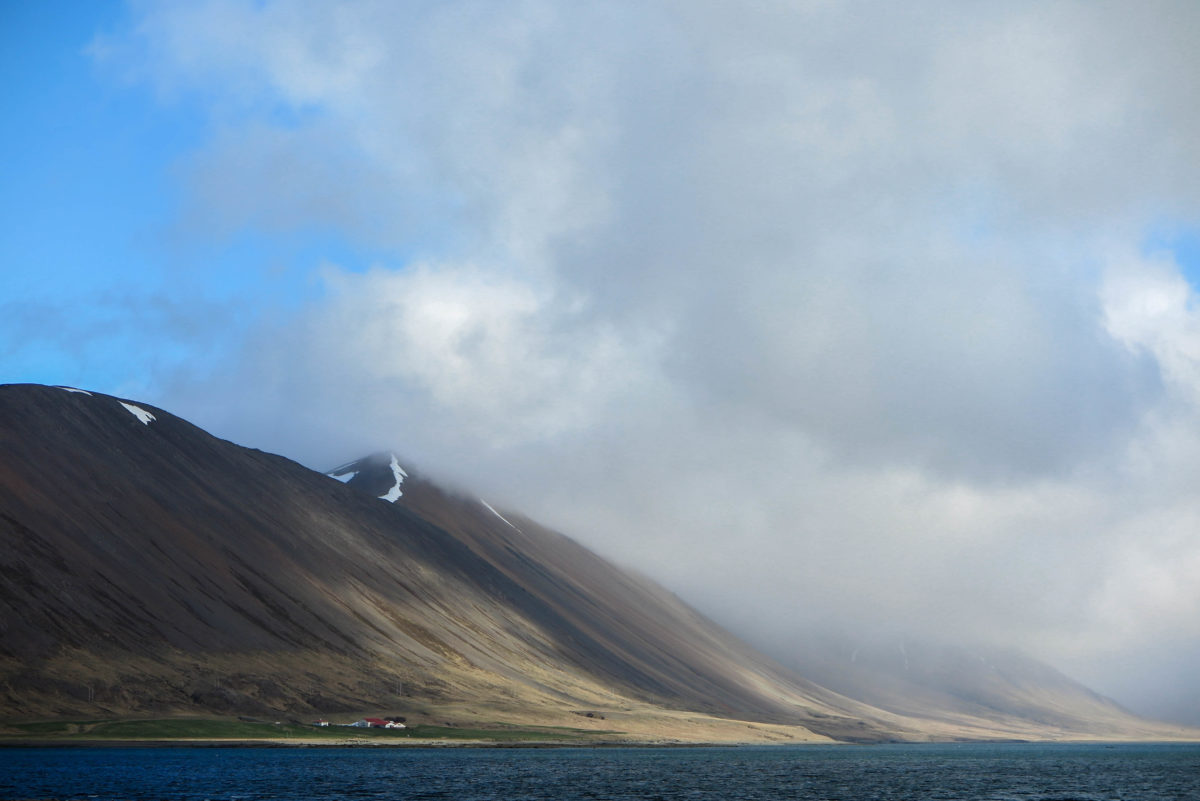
(148, 565)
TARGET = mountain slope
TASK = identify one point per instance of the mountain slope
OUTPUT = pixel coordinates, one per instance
(954, 683)
(150, 566)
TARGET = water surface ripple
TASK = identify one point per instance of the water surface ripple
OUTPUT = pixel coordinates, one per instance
(959, 772)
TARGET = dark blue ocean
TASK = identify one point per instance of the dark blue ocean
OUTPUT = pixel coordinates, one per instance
(1008, 772)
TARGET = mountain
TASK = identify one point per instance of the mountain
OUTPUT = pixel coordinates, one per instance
(151, 567)
(955, 684)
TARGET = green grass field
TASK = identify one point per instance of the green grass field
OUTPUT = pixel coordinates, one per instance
(232, 729)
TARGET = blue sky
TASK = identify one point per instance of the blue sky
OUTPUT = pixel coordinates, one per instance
(88, 204)
(914, 284)
(91, 226)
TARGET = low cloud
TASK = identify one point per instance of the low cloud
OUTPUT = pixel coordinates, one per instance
(820, 312)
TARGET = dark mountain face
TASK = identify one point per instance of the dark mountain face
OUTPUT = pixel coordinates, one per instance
(147, 565)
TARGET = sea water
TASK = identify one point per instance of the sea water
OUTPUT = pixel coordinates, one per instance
(967, 772)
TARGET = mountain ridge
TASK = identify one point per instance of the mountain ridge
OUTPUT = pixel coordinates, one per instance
(182, 572)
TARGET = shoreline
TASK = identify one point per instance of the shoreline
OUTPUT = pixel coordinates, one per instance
(533, 745)
(537, 745)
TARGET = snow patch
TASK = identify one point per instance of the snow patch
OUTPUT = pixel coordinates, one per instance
(344, 473)
(73, 389)
(138, 412)
(502, 517)
(393, 495)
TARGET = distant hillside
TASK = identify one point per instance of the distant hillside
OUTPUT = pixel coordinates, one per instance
(958, 684)
(150, 567)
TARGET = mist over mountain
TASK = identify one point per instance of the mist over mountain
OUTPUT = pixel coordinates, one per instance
(149, 566)
(829, 315)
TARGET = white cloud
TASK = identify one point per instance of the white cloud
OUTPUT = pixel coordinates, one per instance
(840, 308)
(1150, 306)
(480, 350)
